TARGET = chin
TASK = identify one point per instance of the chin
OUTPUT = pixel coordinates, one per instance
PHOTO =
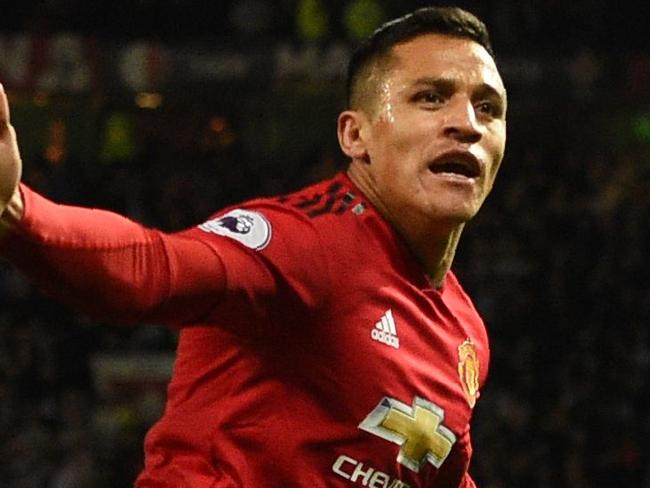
(454, 212)
(460, 219)
(448, 221)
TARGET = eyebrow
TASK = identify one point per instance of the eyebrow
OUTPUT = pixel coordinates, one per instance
(447, 86)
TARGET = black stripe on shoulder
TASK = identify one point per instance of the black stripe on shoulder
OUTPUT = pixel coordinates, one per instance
(335, 200)
(328, 204)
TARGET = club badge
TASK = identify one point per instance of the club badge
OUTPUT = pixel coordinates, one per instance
(468, 370)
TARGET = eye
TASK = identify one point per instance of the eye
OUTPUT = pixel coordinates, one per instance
(429, 98)
(489, 108)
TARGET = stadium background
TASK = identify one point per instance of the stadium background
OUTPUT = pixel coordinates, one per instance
(169, 110)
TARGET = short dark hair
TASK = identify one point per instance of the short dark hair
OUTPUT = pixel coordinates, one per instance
(450, 21)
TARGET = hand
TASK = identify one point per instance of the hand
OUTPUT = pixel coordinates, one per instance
(10, 163)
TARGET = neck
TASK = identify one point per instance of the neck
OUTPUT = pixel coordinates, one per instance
(437, 254)
(432, 242)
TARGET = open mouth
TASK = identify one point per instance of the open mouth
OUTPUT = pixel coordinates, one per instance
(457, 163)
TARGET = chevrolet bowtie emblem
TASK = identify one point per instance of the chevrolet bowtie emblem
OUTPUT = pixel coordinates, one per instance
(417, 429)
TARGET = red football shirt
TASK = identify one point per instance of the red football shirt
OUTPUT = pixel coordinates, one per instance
(314, 351)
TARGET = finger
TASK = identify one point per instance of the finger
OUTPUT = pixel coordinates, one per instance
(4, 108)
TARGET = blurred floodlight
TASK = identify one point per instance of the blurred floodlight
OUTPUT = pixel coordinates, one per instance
(148, 100)
(118, 141)
(218, 124)
(642, 128)
(312, 20)
(362, 17)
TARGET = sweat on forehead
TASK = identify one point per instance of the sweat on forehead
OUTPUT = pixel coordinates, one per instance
(366, 89)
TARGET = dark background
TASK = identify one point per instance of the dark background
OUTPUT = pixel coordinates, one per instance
(557, 261)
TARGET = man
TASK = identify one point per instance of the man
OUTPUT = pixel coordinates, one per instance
(325, 341)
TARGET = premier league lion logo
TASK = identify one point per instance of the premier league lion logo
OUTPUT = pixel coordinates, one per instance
(241, 224)
(249, 227)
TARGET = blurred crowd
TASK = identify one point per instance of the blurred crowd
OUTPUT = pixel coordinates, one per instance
(533, 26)
(555, 262)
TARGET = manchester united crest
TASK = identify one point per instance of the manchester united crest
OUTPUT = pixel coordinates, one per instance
(468, 370)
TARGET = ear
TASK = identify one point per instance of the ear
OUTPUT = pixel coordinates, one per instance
(352, 128)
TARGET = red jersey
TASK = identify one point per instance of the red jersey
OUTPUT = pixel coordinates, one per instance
(314, 351)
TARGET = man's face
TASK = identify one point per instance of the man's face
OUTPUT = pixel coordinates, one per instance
(435, 139)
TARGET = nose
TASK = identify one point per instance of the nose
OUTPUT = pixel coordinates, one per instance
(460, 122)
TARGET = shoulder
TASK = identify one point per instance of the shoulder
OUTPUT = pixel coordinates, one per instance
(332, 197)
(293, 238)
(316, 212)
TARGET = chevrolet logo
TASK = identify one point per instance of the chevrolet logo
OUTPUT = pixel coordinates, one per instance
(418, 430)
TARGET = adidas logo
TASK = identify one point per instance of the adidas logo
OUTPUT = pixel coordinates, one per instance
(385, 330)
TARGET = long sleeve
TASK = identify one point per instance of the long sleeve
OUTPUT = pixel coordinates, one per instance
(107, 265)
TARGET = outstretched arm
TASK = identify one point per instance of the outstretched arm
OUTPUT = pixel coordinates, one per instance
(109, 266)
(98, 261)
